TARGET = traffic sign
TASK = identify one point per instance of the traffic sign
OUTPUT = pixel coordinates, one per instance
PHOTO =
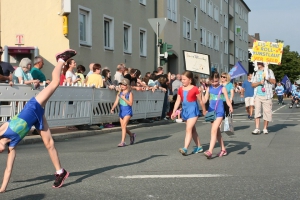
(161, 22)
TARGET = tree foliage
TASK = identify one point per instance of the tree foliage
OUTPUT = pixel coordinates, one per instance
(290, 65)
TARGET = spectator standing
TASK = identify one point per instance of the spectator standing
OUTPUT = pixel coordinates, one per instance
(36, 72)
(79, 74)
(107, 79)
(119, 73)
(279, 92)
(263, 95)
(68, 71)
(22, 73)
(6, 70)
(248, 90)
(225, 80)
(163, 79)
(95, 78)
(176, 84)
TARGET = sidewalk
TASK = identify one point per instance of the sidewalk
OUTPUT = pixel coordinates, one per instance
(62, 133)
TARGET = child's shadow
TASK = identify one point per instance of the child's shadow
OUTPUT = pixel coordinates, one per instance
(86, 174)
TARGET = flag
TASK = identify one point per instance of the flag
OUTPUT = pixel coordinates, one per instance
(287, 83)
(237, 70)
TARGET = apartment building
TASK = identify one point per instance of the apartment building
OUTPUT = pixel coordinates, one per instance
(215, 27)
(114, 31)
(107, 32)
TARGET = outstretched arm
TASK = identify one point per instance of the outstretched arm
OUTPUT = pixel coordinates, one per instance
(9, 166)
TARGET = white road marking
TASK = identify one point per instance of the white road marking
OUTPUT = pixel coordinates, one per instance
(294, 118)
(173, 176)
(248, 121)
(286, 113)
(285, 120)
(278, 108)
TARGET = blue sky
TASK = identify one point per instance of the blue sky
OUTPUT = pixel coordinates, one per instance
(276, 19)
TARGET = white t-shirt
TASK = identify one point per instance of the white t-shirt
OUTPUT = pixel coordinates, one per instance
(71, 75)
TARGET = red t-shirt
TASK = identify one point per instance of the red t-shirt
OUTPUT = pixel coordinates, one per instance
(192, 94)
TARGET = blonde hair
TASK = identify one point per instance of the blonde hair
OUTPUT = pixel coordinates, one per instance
(228, 78)
(25, 62)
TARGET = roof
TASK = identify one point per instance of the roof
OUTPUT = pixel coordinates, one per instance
(246, 5)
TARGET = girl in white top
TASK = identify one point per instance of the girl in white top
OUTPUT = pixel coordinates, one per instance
(68, 71)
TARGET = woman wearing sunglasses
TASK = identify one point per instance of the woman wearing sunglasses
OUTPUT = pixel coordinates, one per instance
(225, 80)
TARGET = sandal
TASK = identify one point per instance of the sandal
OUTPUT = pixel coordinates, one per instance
(122, 144)
(222, 153)
(208, 154)
(132, 138)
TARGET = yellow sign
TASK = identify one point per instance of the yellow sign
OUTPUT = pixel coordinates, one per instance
(65, 25)
(267, 52)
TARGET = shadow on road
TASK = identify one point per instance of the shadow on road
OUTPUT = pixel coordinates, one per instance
(85, 174)
(30, 197)
(278, 127)
(236, 128)
(153, 139)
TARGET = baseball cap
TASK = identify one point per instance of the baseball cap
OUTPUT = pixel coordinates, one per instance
(125, 81)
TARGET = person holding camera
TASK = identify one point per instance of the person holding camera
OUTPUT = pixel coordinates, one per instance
(262, 82)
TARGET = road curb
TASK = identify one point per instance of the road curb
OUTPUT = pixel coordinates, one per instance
(31, 139)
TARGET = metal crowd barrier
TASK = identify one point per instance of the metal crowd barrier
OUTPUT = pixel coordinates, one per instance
(70, 106)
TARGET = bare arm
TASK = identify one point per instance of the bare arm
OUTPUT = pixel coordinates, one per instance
(199, 97)
(115, 104)
(205, 99)
(232, 95)
(177, 103)
(9, 166)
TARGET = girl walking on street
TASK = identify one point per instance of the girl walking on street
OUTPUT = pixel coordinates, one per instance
(188, 94)
(216, 93)
(125, 100)
(13, 131)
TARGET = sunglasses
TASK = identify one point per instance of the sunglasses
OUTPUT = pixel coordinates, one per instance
(223, 77)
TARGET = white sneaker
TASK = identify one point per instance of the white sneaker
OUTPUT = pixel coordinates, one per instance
(265, 131)
(166, 118)
(256, 131)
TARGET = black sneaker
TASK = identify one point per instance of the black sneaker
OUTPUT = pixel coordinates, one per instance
(59, 179)
(66, 55)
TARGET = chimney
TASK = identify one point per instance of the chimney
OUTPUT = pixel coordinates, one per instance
(256, 36)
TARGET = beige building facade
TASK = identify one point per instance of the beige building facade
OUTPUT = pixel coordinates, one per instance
(106, 32)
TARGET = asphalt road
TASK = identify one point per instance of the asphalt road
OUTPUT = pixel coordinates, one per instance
(257, 166)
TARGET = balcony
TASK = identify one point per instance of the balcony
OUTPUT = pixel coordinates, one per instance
(231, 12)
(231, 36)
(231, 59)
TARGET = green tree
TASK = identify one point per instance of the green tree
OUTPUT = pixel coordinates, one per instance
(290, 64)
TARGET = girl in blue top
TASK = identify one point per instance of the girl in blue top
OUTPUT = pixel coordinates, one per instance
(225, 80)
(279, 91)
(216, 93)
(13, 131)
(188, 95)
(125, 100)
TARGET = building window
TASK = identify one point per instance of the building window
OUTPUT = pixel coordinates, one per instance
(225, 69)
(216, 42)
(172, 10)
(195, 46)
(202, 36)
(216, 13)
(221, 34)
(127, 41)
(210, 9)
(85, 26)
(225, 20)
(236, 52)
(143, 42)
(203, 5)
(210, 39)
(195, 17)
(143, 2)
(225, 46)
(186, 28)
(221, 7)
(108, 32)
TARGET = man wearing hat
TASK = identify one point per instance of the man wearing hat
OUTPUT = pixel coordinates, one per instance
(262, 83)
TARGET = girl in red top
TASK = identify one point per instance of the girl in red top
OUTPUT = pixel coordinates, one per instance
(188, 95)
